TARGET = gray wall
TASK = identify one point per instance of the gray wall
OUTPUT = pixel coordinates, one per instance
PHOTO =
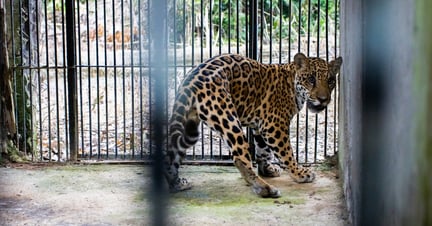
(350, 98)
(379, 112)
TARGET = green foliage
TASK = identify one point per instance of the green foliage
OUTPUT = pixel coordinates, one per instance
(303, 16)
(59, 5)
(224, 17)
(56, 5)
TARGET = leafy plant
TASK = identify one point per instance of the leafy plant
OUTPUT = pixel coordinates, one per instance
(303, 16)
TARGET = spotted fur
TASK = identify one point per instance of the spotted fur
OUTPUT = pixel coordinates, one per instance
(229, 91)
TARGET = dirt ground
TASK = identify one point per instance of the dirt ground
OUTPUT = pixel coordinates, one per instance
(118, 195)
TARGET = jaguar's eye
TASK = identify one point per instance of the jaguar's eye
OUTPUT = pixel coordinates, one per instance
(311, 79)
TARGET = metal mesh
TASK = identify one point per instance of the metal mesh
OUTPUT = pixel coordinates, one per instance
(111, 60)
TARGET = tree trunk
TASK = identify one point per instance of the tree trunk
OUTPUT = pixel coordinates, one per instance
(24, 17)
(8, 131)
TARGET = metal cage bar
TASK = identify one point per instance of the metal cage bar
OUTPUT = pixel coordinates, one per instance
(115, 75)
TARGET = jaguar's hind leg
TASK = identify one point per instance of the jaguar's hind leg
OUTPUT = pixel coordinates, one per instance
(183, 135)
(268, 164)
(229, 128)
(175, 182)
(278, 141)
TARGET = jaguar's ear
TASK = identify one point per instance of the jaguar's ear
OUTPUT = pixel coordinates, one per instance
(335, 65)
(301, 61)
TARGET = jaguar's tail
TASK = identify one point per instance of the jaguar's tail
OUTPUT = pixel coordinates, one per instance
(183, 133)
(183, 129)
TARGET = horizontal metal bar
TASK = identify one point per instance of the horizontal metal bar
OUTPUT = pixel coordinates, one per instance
(92, 66)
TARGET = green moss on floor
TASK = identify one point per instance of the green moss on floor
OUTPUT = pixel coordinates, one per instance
(221, 195)
(119, 194)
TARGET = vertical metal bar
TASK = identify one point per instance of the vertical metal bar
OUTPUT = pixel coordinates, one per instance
(13, 45)
(289, 30)
(31, 7)
(65, 82)
(174, 18)
(229, 48)
(271, 32)
(56, 82)
(238, 25)
(30, 64)
(48, 81)
(97, 81)
(327, 58)
(336, 97)
(39, 83)
(308, 53)
(27, 63)
(202, 141)
(247, 25)
(132, 68)
(210, 55)
(201, 59)
(115, 81)
(327, 29)
(261, 30)
(308, 26)
(318, 28)
(184, 36)
(253, 29)
(229, 28)
(72, 82)
(123, 77)
(220, 51)
(106, 79)
(81, 117)
(158, 60)
(89, 82)
(24, 115)
(201, 33)
(14, 68)
(299, 50)
(140, 51)
(193, 33)
(166, 78)
(150, 99)
(193, 50)
(210, 36)
(318, 55)
(280, 31)
(220, 27)
(289, 37)
(252, 53)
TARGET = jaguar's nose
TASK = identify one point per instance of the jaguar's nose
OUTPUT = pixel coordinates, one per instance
(322, 99)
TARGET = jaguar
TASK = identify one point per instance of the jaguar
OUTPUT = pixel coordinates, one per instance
(228, 92)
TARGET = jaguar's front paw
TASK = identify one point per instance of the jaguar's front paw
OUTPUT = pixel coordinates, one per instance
(302, 175)
(180, 184)
(267, 169)
(267, 191)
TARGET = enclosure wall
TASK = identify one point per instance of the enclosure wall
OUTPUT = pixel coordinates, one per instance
(385, 135)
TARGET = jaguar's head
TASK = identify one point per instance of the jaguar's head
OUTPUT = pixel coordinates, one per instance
(315, 80)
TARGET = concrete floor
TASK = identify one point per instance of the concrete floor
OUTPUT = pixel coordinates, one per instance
(118, 195)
